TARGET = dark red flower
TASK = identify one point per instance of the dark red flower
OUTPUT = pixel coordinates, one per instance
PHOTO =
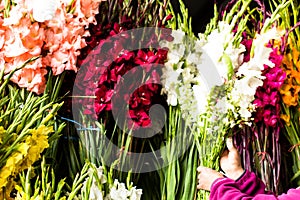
(107, 60)
(103, 99)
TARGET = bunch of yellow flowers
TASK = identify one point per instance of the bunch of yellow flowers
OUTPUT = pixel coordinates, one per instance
(26, 130)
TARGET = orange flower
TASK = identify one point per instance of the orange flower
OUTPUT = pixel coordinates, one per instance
(14, 46)
(287, 61)
(291, 87)
(87, 9)
(2, 37)
(295, 76)
(56, 40)
(32, 79)
(52, 40)
(295, 56)
(34, 40)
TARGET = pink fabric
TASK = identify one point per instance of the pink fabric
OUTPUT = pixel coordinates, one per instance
(246, 188)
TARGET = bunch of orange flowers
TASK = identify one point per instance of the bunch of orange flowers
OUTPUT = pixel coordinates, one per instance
(291, 87)
(52, 30)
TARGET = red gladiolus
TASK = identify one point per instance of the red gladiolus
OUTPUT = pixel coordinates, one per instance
(106, 54)
(103, 99)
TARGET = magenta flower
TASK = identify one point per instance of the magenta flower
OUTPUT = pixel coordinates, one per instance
(267, 97)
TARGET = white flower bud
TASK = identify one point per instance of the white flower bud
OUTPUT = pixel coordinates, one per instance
(44, 9)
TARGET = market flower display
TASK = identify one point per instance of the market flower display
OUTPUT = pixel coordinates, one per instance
(67, 75)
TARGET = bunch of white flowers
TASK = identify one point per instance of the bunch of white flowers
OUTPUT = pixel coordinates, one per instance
(219, 47)
(95, 184)
(198, 69)
(119, 192)
(195, 66)
(181, 79)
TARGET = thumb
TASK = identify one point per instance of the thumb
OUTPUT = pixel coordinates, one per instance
(229, 144)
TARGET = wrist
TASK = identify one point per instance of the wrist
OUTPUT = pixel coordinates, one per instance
(216, 181)
(236, 174)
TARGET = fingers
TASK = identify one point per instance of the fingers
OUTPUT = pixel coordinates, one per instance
(200, 186)
(202, 178)
(203, 169)
(206, 177)
(199, 169)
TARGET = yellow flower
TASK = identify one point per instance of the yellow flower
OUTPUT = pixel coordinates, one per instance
(38, 141)
(12, 164)
(2, 132)
(286, 118)
(26, 154)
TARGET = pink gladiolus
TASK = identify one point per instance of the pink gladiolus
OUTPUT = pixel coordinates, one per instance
(57, 40)
(268, 96)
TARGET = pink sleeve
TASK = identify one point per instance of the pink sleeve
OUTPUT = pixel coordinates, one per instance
(292, 194)
(246, 188)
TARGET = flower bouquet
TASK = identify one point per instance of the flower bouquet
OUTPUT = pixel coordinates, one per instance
(245, 102)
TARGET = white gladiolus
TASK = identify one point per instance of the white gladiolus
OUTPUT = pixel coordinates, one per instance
(261, 52)
(248, 85)
(235, 54)
(215, 47)
(178, 36)
(193, 58)
(175, 55)
(188, 104)
(170, 82)
(118, 191)
(95, 193)
(95, 183)
(218, 44)
(200, 94)
(44, 9)
(245, 113)
(136, 194)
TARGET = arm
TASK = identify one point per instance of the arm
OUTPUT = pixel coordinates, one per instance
(231, 164)
(228, 189)
(237, 179)
(240, 184)
(244, 188)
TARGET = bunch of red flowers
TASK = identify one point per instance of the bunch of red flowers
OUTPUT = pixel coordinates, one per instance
(106, 60)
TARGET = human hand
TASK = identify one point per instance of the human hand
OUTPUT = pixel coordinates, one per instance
(206, 177)
(231, 161)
